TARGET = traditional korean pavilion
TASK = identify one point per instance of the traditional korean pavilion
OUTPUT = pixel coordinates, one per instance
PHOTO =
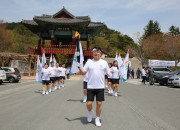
(59, 29)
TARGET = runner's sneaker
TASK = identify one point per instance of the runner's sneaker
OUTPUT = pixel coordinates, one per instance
(85, 99)
(115, 94)
(52, 89)
(43, 93)
(62, 85)
(90, 114)
(47, 92)
(59, 87)
(55, 87)
(97, 122)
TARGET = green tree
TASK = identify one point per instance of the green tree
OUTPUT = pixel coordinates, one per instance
(174, 30)
(152, 28)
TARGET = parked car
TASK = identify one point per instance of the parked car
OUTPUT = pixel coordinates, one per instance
(12, 74)
(174, 81)
(164, 79)
(158, 72)
(2, 75)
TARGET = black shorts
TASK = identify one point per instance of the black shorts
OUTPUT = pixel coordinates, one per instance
(106, 77)
(52, 79)
(99, 93)
(115, 81)
(62, 77)
(110, 80)
(84, 85)
(57, 78)
(45, 82)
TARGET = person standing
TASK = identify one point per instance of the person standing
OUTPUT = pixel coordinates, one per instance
(110, 89)
(96, 69)
(138, 73)
(115, 78)
(143, 71)
(52, 69)
(62, 75)
(45, 79)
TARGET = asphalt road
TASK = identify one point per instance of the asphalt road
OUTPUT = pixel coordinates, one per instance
(138, 107)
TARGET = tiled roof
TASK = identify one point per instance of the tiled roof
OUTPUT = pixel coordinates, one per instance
(95, 24)
(31, 22)
(59, 20)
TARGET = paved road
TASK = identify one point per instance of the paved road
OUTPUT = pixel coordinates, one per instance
(138, 107)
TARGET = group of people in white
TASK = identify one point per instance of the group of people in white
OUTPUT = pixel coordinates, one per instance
(98, 75)
(53, 77)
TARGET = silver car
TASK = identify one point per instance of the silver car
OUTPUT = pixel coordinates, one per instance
(174, 81)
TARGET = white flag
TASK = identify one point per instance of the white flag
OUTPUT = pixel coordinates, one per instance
(120, 61)
(125, 67)
(116, 57)
(43, 59)
(81, 55)
(54, 59)
(74, 68)
(38, 70)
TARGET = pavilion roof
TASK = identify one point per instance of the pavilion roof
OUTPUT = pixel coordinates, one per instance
(62, 17)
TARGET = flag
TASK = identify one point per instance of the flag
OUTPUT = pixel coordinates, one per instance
(74, 68)
(38, 70)
(43, 59)
(81, 55)
(50, 59)
(120, 61)
(116, 57)
(54, 59)
(125, 67)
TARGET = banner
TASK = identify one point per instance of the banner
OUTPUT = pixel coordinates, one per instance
(81, 55)
(125, 67)
(38, 70)
(161, 63)
(74, 68)
(43, 59)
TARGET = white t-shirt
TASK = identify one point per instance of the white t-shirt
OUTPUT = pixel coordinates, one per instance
(115, 72)
(63, 71)
(45, 74)
(52, 71)
(96, 71)
(110, 76)
(57, 71)
(143, 72)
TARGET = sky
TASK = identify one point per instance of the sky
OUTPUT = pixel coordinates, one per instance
(126, 16)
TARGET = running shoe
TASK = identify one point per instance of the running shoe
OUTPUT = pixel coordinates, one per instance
(115, 94)
(43, 93)
(85, 99)
(97, 122)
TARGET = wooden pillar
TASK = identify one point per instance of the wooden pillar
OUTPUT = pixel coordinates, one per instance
(30, 58)
(88, 42)
(43, 43)
(52, 38)
(39, 46)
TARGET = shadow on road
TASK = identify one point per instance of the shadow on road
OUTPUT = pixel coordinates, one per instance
(38, 91)
(82, 119)
(75, 100)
